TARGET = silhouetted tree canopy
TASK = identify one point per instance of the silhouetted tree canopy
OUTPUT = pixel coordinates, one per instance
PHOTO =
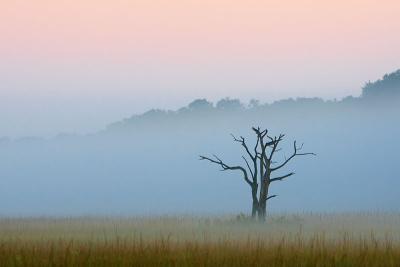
(254, 103)
(229, 104)
(200, 104)
(388, 86)
(385, 91)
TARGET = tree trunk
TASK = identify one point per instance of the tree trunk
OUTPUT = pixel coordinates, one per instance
(254, 210)
(255, 206)
(262, 213)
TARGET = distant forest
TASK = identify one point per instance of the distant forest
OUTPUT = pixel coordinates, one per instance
(384, 92)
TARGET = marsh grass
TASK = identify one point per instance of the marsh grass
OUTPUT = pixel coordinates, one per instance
(370, 239)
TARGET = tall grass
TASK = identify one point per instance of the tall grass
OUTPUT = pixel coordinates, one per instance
(285, 240)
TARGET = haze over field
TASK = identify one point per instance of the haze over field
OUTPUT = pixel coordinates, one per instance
(148, 164)
(105, 106)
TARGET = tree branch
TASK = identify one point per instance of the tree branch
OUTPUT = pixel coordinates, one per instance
(243, 142)
(225, 167)
(271, 196)
(281, 177)
(248, 166)
(260, 138)
(295, 153)
(256, 146)
(275, 145)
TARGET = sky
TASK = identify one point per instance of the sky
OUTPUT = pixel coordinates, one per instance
(75, 66)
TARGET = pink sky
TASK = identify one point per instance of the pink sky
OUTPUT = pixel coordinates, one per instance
(126, 52)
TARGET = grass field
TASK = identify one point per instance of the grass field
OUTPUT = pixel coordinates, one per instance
(370, 239)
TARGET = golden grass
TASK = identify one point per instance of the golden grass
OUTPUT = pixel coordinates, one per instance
(285, 240)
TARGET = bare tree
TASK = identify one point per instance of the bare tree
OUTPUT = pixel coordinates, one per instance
(260, 167)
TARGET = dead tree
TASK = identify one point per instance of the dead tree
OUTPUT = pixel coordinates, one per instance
(260, 167)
